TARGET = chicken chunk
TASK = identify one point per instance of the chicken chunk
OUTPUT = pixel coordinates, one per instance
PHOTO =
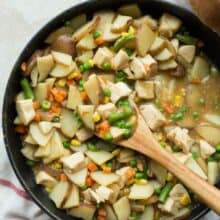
(123, 175)
(169, 206)
(74, 162)
(138, 68)
(120, 60)
(144, 89)
(180, 137)
(119, 90)
(45, 179)
(103, 54)
(92, 196)
(153, 117)
(104, 192)
(206, 149)
(150, 62)
(25, 110)
(106, 109)
(121, 23)
(178, 192)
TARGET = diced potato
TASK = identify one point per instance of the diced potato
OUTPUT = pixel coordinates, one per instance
(28, 151)
(77, 21)
(29, 140)
(158, 45)
(117, 133)
(85, 29)
(110, 213)
(46, 126)
(84, 211)
(125, 155)
(144, 39)
(41, 91)
(214, 119)
(148, 213)
(187, 52)
(85, 56)
(145, 89)
(74, 98)
(62, 71)
(73, 198)
(50, 82)
(93, 89)
(34, 76)
(116, 190)
(79, 177)
(87, 43)
(86, 112)
(213, 172)
(164, 55)
(43, 151)
(99, 157)
(108, 77)
(150, 63)
(175, 42)
(132, 10)
(45, 179)
(121, 23)
(84, 134)
(62, 58)
(141, 191)
(167, 65)
(44, 66)
(69, 124)
(104, 179)
(122, 208)
(60, 193)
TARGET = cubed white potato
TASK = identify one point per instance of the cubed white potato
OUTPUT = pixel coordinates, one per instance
(99, 157)
(206, 149)
(187, 52)
(109, 77)
(104, 179)
(182, 157)
(83, 211)
(116, 191)
(45, 179)
(86, 43)
(50, 82)
(74, 99)
(44, 66)
(79, 177)
(145, 89)
(43, 151)
(163, 55)
(106, 109)
(169, 25)
(62, 58)
(144, 39)
(25, 110)
(74, 162)
(193, 165)
(29, 140)
(119, 90)
(167, 65)
(148, 20)
(117, 133)
(181, 138)
(110, 213)
(213, 172)
(132, 10)
(86, 28)
(41, 91)
(102, 55)
(152, 116)
(158, 45)
(121, 23)
(46, 126)
(61, 70)
(138, 68)
(73, 199)
(84, 134)
(60, 193)
(85, 56)
(17, 121)
(108, 35)
(122, 172)
(150, 64)
(212, 118)
(38, 135)
(170, 206)
(93, 89)
(178, 191)
(69, 124)
(120, 60)
(141, 191)
(104, 192)
(28, 151)
(85, 113)
(148, 213)
(175, 42)
(122, 208)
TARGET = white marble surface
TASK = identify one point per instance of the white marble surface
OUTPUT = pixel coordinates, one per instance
(20, 20)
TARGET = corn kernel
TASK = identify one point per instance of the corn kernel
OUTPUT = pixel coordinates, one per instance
(106, 100)
(73, 75)
(75, 142)
(91, 62)
(184, 200)
(57, 165)
(48, 189)
(96, 117)
(130, 182)
(131, 30)
(124, 34)
(116, 152)
(61, 82)
(141, 182)
(169, 177)
(178, 100)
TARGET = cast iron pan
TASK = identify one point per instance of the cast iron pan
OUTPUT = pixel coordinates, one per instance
(12, 141)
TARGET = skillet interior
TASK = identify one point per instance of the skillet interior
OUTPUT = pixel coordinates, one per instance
(12, 141)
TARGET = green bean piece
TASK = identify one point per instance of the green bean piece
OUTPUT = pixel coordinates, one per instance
(216, 156)
(186, 39)
(157, 191)
(26, 87)
(115, 116)
(46, 105)
(122, 41)
(165, 192)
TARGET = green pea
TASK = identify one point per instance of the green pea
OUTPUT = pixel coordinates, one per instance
(56, 119)
(84, 187)
(87, 66)
(139, 175)
(66, 144)
(107, 92)
(195, 155)
(177, 116)
(195, 115)
(217, 148)
(106, 66)
(96, 34)
(157, 102)
(108, 137)
(183, 109)
(81, 68)
(46, 105)
(122, 103)
(109, 164)
(202, 102)
(127, 133)
(133, 163)
(127, 111)
(163, 144)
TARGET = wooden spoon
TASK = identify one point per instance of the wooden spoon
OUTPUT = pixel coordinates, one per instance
(144, 142)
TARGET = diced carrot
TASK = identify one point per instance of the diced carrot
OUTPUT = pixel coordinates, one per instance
(106, 169)
(24, 66)
(63, 177)
(83, 96)
(99, 40)
(37, 117)
(103, 126)
(55, 109)
(196, 80)
(130, 173)
(92, 167)
(21, 129)
(70, 82)
(36, 105)
(51, 98)
(102, 212)
(59, 95)
(78, 77)
(89, 181)
(168, 108)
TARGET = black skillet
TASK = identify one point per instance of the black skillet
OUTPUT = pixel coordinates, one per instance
(12, 140)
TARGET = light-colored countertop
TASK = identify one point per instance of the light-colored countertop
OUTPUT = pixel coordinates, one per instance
(20, 20)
